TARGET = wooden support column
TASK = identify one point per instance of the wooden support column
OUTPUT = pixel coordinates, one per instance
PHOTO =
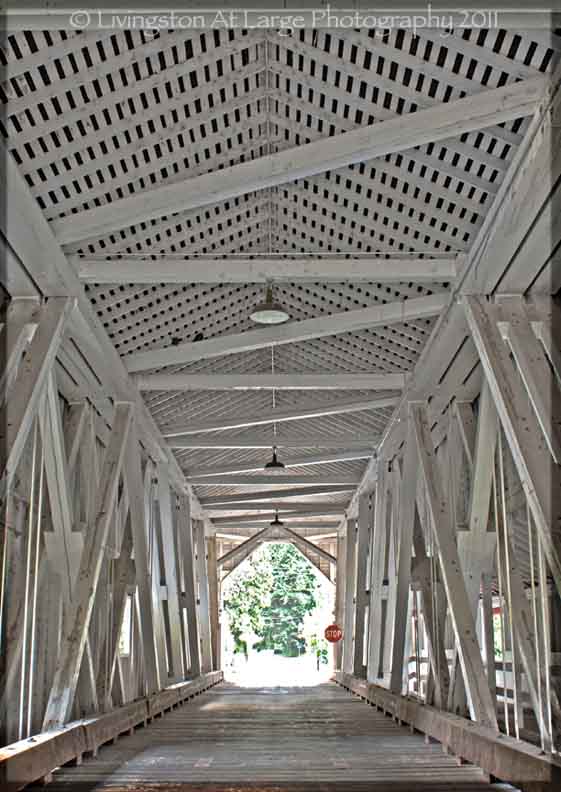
(203, 599)
(363, 542)
(170, 570)
(189, 581)
(522, 430)
(482, 707)
(377, 573)
(135, 485)
(339, 599)
(350, 576)
(76, 627)
(408, 492)
(214, 602)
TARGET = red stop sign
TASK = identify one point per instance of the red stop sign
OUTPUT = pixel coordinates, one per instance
(333, 633)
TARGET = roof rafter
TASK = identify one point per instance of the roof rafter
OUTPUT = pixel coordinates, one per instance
(449, 119)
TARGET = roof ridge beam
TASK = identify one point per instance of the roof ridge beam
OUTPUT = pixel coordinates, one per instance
(292, 332)
(449, 119)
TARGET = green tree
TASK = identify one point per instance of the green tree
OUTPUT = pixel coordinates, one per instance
(272, 596)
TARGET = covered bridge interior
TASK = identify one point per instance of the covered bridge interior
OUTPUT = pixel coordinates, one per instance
(392, 195)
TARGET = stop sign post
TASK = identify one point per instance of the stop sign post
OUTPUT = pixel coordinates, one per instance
(333, 633)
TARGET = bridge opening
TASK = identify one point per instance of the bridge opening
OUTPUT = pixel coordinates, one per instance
(275, 608)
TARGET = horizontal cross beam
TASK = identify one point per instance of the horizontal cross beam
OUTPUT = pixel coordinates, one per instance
(305, 330)
(299, 461)
(256, 442)
(316, 507)
(279, 416)
(342, 381)
(447, 120)
(236, 269)
(351, 480)
(268, 495)
(268, 516)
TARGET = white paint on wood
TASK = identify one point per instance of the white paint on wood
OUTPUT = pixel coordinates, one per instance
(450, 119)
(259, 269)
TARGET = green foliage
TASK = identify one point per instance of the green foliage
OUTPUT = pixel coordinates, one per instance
(319, 648)
(270, 596)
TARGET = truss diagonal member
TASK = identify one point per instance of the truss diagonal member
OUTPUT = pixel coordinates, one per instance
(305, 330)
(245, 547)
(138, 518)
(447, 120)
(76, 626)
(16, 416)
(524, 435)
(482, 707)
(310, 546)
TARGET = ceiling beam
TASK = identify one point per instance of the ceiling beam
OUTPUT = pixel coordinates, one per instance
(319, 531)
(256, 442)
(341, 381)
(275, 478)
(208, 474)
(236, 269)
(276, 494)
(316, 507)
(292, 332)
(268, 516)
(280, 416)
(447, 120)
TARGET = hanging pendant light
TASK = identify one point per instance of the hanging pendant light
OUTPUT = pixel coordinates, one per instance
(269, 312)
(276, 523)
(274, 464)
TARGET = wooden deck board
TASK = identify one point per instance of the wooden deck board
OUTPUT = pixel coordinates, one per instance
(320, 738)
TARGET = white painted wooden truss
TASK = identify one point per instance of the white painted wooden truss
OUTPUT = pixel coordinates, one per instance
(399, 195)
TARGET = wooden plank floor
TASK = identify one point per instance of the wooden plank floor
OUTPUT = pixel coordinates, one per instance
(314, 739)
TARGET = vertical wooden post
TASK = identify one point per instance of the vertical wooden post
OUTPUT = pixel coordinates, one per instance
(204, 612)
(170, 569)
(350, 576)
(213, 601)
(135, 484)
(190, 588)
(363, 541)
(339, 599)
(377, 573)
(408, 493)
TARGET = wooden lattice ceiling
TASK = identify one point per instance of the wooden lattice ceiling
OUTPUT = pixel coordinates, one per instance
(96, 117)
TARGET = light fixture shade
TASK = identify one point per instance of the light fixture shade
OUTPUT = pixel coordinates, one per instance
(276, 522)
(274, 464)
(269, 312)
